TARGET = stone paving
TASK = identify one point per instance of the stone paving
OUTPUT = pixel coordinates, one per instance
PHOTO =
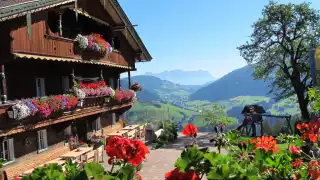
(160, 161)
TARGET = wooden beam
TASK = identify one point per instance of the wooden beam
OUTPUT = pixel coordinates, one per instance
(129, 79)
(3, 85)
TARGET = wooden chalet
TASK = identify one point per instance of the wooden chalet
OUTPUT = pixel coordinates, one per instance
(40, 56)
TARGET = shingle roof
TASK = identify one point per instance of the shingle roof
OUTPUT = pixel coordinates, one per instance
(4, 3)
(16, 8)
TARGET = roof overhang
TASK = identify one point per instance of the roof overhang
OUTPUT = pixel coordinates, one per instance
(119, 16)
(51, 58)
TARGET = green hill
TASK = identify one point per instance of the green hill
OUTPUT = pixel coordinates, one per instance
(166, 90)
(239, 82)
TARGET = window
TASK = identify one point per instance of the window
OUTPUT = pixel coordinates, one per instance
(65, 83)
(40, 87)
(111, 83)
(7, 150)
(96, 124)
(42, 140)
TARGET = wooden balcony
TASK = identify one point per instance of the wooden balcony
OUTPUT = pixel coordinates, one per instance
(51, 45)
(11, 126)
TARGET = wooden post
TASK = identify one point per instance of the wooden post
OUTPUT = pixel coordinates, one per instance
(60, 24)
(119, 84)
(3, 85)
(101, 75)
(129, 79)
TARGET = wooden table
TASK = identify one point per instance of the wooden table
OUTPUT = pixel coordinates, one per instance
(119, 133)
(57, 161)
(76, 153)
(131, 127)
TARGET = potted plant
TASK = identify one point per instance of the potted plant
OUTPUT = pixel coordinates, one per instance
(136, 87)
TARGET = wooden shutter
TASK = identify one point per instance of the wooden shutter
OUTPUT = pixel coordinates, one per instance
(45, 138)
(11, 149)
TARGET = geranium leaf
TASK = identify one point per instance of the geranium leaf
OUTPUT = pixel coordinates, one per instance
(214, 175)
(128, 172)
(225, 170)
(298, 142)
(181, 164)
(93, 169)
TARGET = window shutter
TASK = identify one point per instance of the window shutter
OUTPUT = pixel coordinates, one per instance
(39, 141)
(45, 139)
(11, 149)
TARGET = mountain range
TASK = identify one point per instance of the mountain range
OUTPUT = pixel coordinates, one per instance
(185, 77)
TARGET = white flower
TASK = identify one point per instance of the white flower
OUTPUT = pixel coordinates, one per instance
(79, 93)
(83, 41)
(22, 110)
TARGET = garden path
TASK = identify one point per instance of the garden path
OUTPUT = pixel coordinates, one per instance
(160, 161)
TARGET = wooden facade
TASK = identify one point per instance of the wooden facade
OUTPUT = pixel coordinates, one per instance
(45, 49)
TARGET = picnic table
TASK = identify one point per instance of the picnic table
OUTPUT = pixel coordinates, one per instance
(57, 161)
(76, 153)
(131, 127)
(119, 133)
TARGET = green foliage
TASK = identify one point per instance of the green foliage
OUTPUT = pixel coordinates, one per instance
(216, 116)
(246, 161)
(314, 97)
(91, 170)
(72, 171)
(49, 172)
(169, 134)
(279, 49)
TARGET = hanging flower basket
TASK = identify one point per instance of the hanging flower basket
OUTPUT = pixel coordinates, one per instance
(136, 87)
(93, 43)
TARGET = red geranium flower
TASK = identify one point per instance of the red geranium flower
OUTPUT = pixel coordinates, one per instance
(309, 131)
(297, 163)
(176, 174)
(266, 143)
(294, 150)
(130, 150)
(190, 130)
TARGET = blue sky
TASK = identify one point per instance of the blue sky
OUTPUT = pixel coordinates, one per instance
(194, 35)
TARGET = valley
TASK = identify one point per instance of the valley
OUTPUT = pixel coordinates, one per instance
(162, 99)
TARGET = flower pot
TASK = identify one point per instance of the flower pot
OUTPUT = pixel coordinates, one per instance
(107, 99)
(80, 103)
(12, 114)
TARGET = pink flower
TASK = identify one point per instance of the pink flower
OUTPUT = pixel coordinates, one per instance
(294, 150)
